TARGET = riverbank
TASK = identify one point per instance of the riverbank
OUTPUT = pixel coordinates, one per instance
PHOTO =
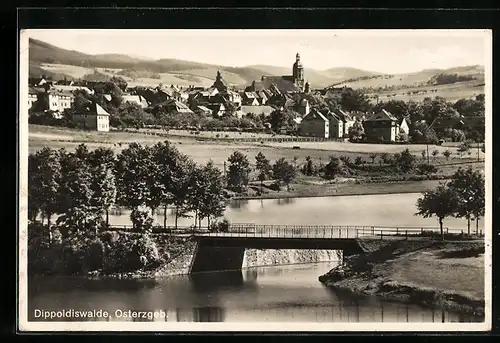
(448, 274)
(329, 189)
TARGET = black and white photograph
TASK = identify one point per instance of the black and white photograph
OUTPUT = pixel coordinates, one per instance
(241, 180)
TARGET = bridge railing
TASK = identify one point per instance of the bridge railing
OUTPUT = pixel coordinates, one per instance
(315, 231)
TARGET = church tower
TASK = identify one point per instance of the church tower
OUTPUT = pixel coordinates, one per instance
(298, 72)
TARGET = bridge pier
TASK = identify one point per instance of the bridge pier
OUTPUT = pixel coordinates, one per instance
(209, 258)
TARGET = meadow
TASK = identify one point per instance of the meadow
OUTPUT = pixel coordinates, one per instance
(218, 151)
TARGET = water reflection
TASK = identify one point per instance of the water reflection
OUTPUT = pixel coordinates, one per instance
(395, 210)
(238, 204)
(275, 294)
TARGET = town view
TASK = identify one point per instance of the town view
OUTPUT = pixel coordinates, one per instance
(168, 189)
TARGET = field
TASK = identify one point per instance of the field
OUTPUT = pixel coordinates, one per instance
(452, 92)
(219, 151)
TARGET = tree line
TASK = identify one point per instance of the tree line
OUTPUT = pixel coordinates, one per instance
(83, 185)
(461, 197)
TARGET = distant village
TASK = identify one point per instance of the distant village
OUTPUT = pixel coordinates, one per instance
(263, 97)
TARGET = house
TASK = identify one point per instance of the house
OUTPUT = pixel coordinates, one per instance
(59, 100)
(136, 99)
(336, 125)
(404, 128)
(203, 110)
(173, 106)
(303, 107)
(381, 127)
(332, 93)
(249, 99)
(71, 89)
(218, 110)
(315, 124)
(33, 94)
(233, 97)
(37, 81)
(92, 117)
(347, 120)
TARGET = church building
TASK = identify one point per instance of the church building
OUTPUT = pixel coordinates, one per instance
(287, 83)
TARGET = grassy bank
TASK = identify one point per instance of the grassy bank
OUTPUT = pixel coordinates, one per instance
(447, 274)
(219, 151)
(318, 188)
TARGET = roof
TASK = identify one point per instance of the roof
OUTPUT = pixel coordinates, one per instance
(35, 90)
(135, 99)
(315, 114)
(442, 123)
(72, 88)
(179, 106)
(257, 109)
(92, 108)
(382, 115)
(204, 109)
(281, 82)
(345, 116)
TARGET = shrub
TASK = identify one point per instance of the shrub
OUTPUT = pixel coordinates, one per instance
(358, 160)
(222, 226)
(426, 169)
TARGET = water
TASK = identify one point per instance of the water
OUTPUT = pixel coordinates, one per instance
(364, 210)
(263, 294)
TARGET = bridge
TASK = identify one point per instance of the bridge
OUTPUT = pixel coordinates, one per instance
(225, 250)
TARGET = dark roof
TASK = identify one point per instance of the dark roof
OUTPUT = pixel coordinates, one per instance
(315, 114)
(382, 115)
(443, 123)
(283, 83)
(92, 108)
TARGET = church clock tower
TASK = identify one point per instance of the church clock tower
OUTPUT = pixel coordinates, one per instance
(298, 72)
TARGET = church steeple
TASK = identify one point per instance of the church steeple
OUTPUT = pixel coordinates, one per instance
(298, 72)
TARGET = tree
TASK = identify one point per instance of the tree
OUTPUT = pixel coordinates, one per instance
(469, 187)
(282, 119)
(441, 202)
(386, 158)
(373, 156)
(135, 182)
(205, 194)
(263, 165)
(356, 131)
(423, 153)
(354, 100)
(81, 198)
(435, 152)
(405, 161)
(463, 148)
(238, 171)
(437, 108)
(308, 168)
(447, 154)
(44, 183)
(421, 133)
(334, 167)
(284, 171)
(358, 160)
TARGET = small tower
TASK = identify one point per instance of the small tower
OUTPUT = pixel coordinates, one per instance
(306, 87)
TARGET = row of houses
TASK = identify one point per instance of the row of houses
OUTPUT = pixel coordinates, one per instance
(381, 126)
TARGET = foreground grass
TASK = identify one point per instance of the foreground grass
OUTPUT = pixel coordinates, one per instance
(447, 274)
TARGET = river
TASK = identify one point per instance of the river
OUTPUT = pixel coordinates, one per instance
(363, 210)
(263, 294)
(274, 294)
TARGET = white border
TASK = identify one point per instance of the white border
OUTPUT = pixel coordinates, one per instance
(26, 326)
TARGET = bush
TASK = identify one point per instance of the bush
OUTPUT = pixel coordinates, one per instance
(426, 169)
(222, 226)
(131, 252)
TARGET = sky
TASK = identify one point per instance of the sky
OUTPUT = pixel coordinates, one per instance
(385, 51)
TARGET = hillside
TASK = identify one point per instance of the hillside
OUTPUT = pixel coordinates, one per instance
(417, 79)
(50, 60)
